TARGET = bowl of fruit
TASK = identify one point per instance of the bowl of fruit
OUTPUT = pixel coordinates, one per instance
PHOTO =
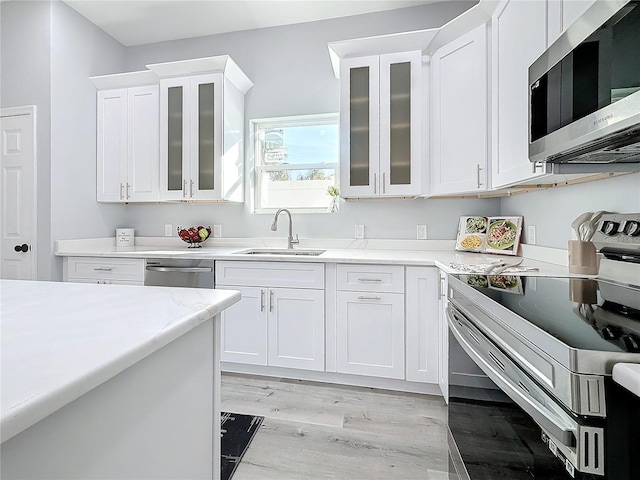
(194, 236)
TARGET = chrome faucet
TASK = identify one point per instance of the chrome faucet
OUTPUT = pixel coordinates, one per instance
(274, 227)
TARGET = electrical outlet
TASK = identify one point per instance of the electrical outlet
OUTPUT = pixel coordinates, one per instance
(217, 231)
(531, 235)
(168, 230)
(359, 231)
(421, 232)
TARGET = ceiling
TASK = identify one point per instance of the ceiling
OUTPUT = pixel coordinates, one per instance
(138, 22)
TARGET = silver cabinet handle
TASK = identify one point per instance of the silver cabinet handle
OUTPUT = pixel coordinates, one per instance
(121, 191)
(442, 290)
(362, 297)
(184, 188)
(478, 182)
(375, 183)
(191, 188)
(384, 189)
(370, 280)
(270, 300)
(103, 269)
(262, 300)
(128, 187)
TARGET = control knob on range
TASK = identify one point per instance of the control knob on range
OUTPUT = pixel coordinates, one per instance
(631, 228)
(611, 333)
(609, 227)
(632, 343)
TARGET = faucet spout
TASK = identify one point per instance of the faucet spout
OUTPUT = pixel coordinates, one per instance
(274, 227)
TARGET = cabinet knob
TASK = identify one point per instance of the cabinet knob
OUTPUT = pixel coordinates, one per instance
(21, 248)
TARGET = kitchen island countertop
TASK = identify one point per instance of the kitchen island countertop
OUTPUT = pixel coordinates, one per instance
(61, 340)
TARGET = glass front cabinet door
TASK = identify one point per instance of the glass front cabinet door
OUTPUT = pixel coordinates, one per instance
(191, 129)
(380, 111)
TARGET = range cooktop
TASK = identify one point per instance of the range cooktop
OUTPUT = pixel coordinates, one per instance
(582, 313)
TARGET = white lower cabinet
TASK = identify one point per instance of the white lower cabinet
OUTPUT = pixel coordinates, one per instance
(370, 320)
(273, 324)
(443, 336)
(422, 319)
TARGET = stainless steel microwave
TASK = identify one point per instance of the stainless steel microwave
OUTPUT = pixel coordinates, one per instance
(584, 93)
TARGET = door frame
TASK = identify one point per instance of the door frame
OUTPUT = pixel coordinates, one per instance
(29, 110)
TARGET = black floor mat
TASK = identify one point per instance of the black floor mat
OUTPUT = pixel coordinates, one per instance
(237, 432)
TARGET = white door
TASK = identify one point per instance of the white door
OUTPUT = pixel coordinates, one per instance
(370, 334)
(399, 125)
(205, 137)
(296, 328)
(244, 328)
(359, 126)
(17, 207)
(143, 144)
(112, 145)
(174, 139)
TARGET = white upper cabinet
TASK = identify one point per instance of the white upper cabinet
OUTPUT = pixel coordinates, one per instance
(562, 14)
(201, 129)
(127, 138)
(519, 37)
(459, 116)
(380, 137)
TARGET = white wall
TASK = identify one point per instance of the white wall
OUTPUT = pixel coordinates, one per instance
(78, 50)
(25, 80)
(292, 75)
(48, 53)
(553, 210)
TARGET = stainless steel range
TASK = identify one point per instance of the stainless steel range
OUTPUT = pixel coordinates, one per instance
(542, 403)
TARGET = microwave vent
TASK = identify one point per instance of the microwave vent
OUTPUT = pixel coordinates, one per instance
(619, 147)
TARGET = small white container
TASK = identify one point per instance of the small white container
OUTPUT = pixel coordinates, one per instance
(124, 237)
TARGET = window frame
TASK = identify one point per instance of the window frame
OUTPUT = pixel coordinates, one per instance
(260, 169)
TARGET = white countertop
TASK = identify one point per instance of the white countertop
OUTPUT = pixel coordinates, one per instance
(60, 340)
(439, 253)
(628, 375)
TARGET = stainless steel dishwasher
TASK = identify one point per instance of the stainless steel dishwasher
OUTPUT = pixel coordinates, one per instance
(171, 272)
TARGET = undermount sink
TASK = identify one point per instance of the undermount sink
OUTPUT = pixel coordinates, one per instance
(281, 251)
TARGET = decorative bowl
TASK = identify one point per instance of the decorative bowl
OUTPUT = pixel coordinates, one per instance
(195, 235)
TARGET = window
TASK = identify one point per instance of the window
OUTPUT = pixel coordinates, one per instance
(296, 160)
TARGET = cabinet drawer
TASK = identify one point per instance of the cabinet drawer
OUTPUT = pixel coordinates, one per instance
(371, 278)
(272, 274)
(89, 268)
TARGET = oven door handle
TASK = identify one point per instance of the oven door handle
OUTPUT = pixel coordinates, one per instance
(563, 429)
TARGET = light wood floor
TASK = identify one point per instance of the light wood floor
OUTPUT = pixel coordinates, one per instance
(314, 430)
